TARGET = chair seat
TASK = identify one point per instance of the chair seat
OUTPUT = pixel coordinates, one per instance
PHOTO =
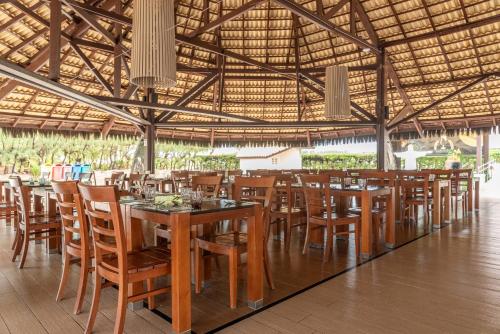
(358, 210)
(284, 210)
(46, 223)
(339, 219)
(143, 260)
(230, 239)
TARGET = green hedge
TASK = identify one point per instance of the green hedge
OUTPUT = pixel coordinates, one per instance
(429, 162)
(338, 161)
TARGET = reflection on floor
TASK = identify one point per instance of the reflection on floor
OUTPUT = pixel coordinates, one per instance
(292, 273)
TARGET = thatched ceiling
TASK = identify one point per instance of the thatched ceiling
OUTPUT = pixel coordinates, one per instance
(423, 66)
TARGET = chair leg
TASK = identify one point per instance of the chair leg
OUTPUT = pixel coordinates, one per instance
(267, 270)
(121, 310)
(288, 232)
(357, 244)
(26, 243)
(150, 284)
(198, 267)
(306, 240)
(64, 276)
(95, 303)
(329, 243)
(16, 239)
(233, 277)
(18, 244)
(82, 284)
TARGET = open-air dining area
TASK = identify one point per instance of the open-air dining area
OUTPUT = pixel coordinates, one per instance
(249, 166)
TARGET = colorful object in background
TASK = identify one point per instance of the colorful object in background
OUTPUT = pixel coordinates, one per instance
(75, 171)
(57, 172)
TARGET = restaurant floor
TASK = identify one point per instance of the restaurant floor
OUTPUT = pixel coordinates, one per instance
(446, 281)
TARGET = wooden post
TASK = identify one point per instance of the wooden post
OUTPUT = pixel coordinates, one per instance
(380, 109)
(150, 132)
(55, 40)
(478, 151)
(486, 147)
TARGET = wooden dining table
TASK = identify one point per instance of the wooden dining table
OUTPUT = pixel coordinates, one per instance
(441, 192)
(366, 194)
(180, 220)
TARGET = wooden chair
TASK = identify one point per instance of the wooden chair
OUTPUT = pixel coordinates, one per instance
(31, 225)
(87, 178)
(112, 261)
(136, 182)
(415, 192)
(284, 209)
(180, 179)
(321, 214)
(210, 185)
(234, 243)
(77, 242)
(459, 189)
(118, 179)
(7, 207)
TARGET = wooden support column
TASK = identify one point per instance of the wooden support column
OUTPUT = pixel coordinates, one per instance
(150, 132)
(486, 147)
(478, 151)
(55, 40)
(380, 111)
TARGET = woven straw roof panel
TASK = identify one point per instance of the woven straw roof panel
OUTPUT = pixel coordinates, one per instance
(426, 69)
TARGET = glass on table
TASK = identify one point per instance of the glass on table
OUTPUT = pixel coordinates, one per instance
(362, 183)
(347, 182)
(196, 199)
(149, 192)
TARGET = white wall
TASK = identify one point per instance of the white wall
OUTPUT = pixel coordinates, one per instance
(290, 159)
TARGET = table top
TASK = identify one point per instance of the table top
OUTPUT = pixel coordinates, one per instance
(338, 186)
(208, 206)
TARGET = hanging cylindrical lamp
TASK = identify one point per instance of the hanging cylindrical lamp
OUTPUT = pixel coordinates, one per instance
(337, 100)
(153, 44)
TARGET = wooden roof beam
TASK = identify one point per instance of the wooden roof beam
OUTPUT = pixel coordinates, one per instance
(227, 17)
(325, 24)
(187, 98)
(266, 125)
(35, 80)
(445, 31)
(177, 109)
(438, 102)
(334, 10)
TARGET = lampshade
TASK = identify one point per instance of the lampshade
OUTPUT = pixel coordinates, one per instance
(337, 100)
(153, 44)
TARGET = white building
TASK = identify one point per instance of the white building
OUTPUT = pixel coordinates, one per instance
(252, 158)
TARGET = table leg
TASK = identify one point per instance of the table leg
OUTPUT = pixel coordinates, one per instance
(447, 203)
(390, 228)
(436, 208)
(38, 208)
(470, 193)
(255, 259)
(476, 195)
(366, 224)
(133, 230)
(53, 244)
(397, 202)
(181, 273)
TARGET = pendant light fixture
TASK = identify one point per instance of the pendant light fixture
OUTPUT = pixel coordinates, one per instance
(337, 100)
(153, 44)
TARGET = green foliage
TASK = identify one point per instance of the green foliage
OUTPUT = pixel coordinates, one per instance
(29, 152)
(429, 162)
(338, 161)
(495, 155)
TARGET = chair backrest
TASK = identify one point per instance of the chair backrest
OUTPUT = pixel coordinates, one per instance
(180, 179)
(317, 195)
(258, 172)
(210, 185)
(136, 181)
(87, 177)
(283, 194)
(336, 176)
(73, 216)
(414, 183)
(117, 178)
(256, 189)
(22, 199)
(102, 207)
(378, 178)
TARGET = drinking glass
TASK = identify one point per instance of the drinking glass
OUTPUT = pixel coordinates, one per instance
(186, 195)
(149, 193)
(362, 183)
(196, 199)
(347, 182)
